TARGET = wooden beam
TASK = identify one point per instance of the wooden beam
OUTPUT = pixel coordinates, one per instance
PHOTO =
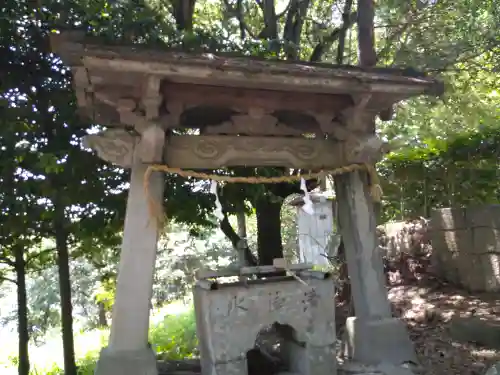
(202, 274)
(211, 152)
(254, 75)
(243, 99)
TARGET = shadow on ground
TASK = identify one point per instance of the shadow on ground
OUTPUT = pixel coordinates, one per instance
(455, 332)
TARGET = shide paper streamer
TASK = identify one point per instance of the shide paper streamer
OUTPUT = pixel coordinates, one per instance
(218, 206)
(308, 204)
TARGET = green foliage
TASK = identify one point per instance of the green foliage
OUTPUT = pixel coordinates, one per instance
(180, 254)
(44, 300)
(86, 366)
(175, 337)
(459, 171)
(437, 35)
(40, 132)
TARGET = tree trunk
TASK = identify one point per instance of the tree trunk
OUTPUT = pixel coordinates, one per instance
(183, 11)
(366, 37)
(344, 293)
(346, 20)
(268, 230)
(61, 235)
(242, 224)
(270, 31)
(328, 41)
(296, 16)
(242, 233)
(229, 232)
(22, 311)
(103, 322)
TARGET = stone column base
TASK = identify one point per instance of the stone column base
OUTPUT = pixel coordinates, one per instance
(140, 362)
(379, 341)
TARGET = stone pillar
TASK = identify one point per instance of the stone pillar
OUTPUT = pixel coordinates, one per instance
(128, 351)
(373, 335)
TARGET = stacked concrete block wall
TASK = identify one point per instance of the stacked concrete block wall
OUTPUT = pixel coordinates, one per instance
(403, 237)
(466, 246)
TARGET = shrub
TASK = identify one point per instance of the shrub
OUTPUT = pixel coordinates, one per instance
(175, 336)
(86, 366)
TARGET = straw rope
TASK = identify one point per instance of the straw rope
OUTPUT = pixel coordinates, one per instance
(156, 208)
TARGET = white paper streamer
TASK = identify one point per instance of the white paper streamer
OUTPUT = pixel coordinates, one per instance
(308, 204)
(218, 206)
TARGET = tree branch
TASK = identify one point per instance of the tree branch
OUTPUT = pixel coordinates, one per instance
(3, 278)
(34, 256)
(285, 10)
(293, 26)
(230, 233)
(327, 42)
(4, 259)
(239, 14)
(343, 31)
(270, 30)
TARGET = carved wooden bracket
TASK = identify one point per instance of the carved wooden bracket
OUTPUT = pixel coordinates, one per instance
(175, 109)
(360, 146)
(355, 117)
(152, 98)
(257, 121)
(367, 149)
(151, 144)
(113, 145)
(326, 121)
(126, 108)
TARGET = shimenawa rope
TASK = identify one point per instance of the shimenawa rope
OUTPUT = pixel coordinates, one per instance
(156, 208)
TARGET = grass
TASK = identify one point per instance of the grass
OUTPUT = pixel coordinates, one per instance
(172, 335)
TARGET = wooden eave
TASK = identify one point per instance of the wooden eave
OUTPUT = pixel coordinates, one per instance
(206, 68)
(113, 78)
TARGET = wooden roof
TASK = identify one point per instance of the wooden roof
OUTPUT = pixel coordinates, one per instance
(114, 82)
(240, 71)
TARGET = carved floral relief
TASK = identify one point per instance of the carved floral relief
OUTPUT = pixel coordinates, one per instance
(113, 145)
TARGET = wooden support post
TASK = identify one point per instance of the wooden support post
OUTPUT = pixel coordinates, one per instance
(128, 352)
(374, 336)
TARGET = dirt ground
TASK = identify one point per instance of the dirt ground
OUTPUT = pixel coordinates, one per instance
(428, 311)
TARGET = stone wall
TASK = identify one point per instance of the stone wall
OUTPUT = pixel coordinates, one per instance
(466, 246)
(403, 237)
